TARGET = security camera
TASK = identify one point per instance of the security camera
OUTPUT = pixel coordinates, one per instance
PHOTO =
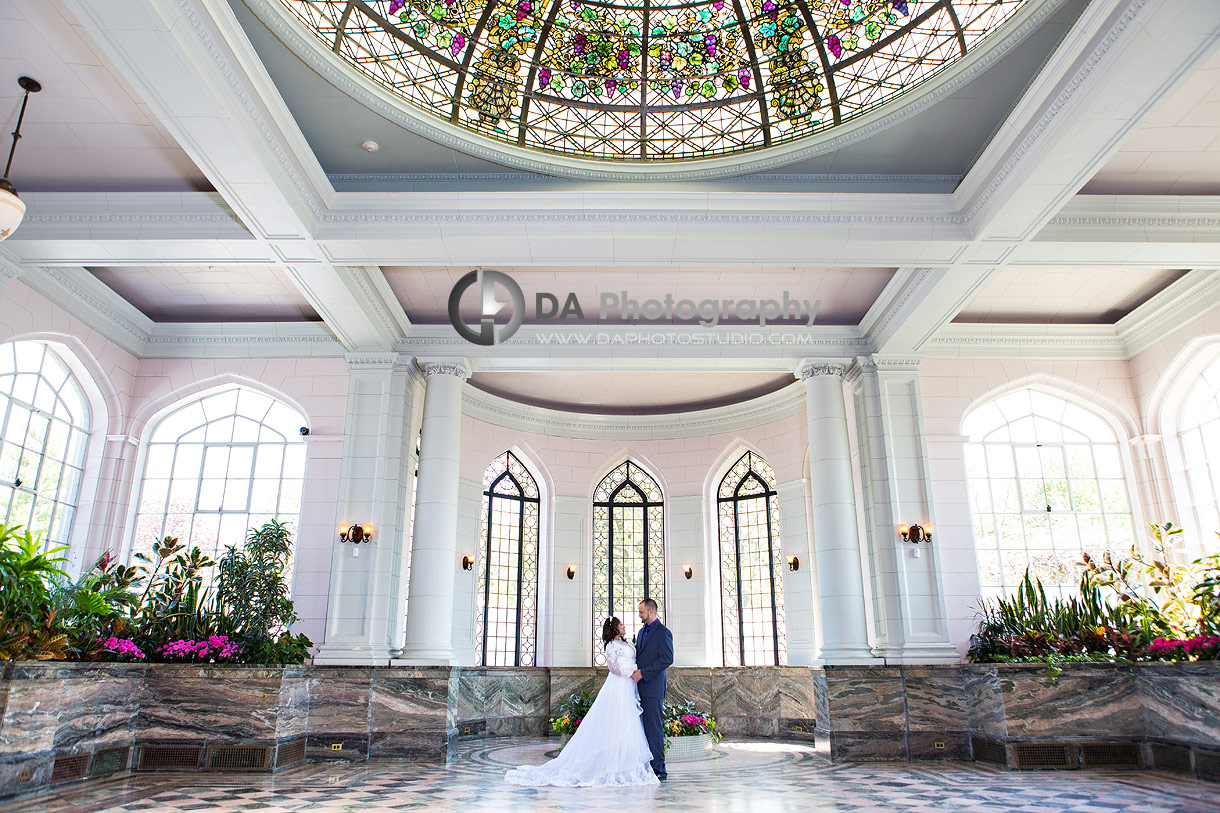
(304, 430)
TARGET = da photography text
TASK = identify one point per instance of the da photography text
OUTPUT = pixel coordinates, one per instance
(611, 307)
(708, 312)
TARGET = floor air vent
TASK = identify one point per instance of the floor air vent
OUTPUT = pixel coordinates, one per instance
(289, 752)
(169, 758)
(110, 760)
(238, 757)
(1035, 755)
(75, 766)
(989, 751)
(1170, 758)
(1110, 755)
(1207, 763)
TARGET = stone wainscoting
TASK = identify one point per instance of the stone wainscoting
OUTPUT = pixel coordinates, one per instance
(66, 722)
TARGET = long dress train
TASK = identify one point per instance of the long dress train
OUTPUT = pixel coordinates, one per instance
(609, 747)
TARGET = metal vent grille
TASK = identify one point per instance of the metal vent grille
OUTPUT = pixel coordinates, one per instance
(110, 760)
(290, 752)
(1044, 755)
(169, 758)
(989, 751)
(1207, 764)
(75, 766)
(1170, 757)
(238, 757)
(1110, 754)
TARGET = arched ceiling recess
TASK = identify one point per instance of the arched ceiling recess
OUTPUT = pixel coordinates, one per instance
(640, 89)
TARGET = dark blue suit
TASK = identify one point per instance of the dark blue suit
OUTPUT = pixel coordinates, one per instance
(652, 658)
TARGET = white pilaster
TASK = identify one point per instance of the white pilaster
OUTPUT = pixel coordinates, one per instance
(836, 538)
(911, 618)
(685, 601)
(366, 599)
(800, 596)
(572, 617)
(429, 637)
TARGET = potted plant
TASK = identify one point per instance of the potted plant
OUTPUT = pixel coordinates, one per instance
(689, 734)
(571, 712)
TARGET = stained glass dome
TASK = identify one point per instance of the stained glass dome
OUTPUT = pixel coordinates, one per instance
(649, 80)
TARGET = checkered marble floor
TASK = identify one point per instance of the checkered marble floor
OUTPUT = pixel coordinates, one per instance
(748, 776)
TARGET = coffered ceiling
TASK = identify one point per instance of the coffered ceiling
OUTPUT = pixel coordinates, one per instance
(1073, 188)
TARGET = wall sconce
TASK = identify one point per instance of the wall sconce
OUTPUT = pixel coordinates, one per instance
(688, 571)
(915, 533)
(794, 563)
(355, 533)
(468, 562)
(571, 572)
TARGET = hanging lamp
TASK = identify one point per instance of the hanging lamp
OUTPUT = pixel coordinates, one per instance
(12, 210)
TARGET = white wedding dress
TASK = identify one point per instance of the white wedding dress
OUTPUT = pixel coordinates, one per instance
(609, 747)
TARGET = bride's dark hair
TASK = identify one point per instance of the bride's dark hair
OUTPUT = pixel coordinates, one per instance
(609, 631)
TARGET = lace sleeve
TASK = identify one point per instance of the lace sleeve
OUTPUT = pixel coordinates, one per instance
(620, 658)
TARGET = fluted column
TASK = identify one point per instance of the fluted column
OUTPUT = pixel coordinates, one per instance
(434, 539)
(836, 538)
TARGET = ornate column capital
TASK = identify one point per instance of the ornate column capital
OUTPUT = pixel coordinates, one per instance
(458, 369)
(1147, 441)
(814, 369)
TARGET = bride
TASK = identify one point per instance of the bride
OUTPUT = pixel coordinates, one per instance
(609, 747)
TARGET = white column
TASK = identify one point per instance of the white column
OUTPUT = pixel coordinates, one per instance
(434, 547)
(836, 538)
(366, 598)
(912, 620)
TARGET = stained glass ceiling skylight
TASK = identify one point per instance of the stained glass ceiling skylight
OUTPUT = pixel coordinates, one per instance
(649, 80)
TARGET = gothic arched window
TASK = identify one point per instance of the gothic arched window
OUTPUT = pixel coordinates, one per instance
(751, 564)
(1199, 439)
(1047, 482)
(628, 549)
(219, 465)
(45, 420)
(507, 619)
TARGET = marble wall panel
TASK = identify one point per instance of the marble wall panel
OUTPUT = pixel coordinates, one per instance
(690, 683)
(22, 774)
(209, 703)
(985, 702)
(31, 712)
(293, 716)
(936, 699)
(503, 692)
(865, 700)
(569, 680)
(413, 699)
(98, 707)
(745, 692)
(1181, 702)
(1088, 702)
(339, 713)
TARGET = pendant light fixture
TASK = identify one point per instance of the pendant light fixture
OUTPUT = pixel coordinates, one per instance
(12, 210)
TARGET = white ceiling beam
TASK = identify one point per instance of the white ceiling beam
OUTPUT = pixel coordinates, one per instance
(1120, 60)
(192, 63)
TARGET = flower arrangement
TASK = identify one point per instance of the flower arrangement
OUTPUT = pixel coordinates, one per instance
(215, 649)
(124, 649)
(571, 712)
(682, 720)
(1199, 648)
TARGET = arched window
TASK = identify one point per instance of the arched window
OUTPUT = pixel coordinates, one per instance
(507, 598)
(46, 421)
(628, 549)
(751, 587)
(1047, 482)
(219, 465)
(1199, 436)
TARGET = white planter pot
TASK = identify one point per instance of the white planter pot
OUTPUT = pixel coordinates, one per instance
(682, 749)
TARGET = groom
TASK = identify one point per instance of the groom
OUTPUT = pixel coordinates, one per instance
(654, 652)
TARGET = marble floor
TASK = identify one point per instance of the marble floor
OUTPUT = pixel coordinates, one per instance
(748, 776)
